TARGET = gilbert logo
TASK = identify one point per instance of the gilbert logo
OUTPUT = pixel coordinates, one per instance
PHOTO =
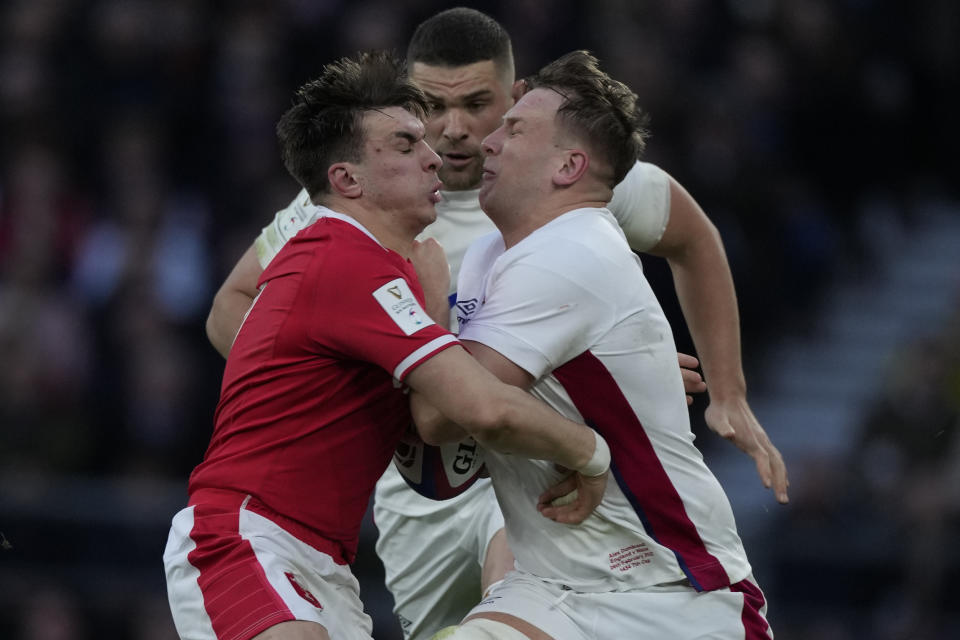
(466, 454)
(301, 591)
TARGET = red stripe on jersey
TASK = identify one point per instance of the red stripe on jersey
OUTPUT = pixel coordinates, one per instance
(638, 470)
(237, 596)
(755, 625)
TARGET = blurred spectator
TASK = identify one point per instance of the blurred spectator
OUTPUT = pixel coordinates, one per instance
(52, 614)
(44, 338)
(910, 467)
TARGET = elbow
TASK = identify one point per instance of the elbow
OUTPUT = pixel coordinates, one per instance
(703, 249)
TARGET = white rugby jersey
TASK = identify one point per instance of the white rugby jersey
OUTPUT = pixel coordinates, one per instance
(570, 305)
(641, 204)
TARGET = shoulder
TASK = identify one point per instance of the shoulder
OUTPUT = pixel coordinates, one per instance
(483, 251)
(578, 234)
(641, 204)
(340, 251)
(585, 247)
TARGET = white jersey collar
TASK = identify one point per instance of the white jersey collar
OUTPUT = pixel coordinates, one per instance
(461, 199)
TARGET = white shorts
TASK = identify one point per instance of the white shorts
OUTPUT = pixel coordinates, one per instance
(433, 562)
(673, 611)
(232, 573)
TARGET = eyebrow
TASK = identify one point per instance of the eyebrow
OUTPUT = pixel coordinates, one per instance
(406, 135)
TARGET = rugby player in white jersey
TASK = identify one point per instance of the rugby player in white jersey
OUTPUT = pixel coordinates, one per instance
(556, 302)
(462, 59)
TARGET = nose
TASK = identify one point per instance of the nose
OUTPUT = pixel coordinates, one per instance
(491, 144)
(455, 125)
(431, 161)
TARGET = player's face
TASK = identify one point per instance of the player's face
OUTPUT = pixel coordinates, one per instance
(466, 104)
(521, 154)
(398, 172)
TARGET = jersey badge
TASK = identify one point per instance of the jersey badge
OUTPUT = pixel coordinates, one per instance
(302, 591)
(398, 301)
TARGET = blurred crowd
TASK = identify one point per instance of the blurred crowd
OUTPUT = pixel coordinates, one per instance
(867, 548)
(138, 161)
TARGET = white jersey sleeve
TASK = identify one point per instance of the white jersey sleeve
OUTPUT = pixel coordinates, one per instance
(641, 205)
(287, 223)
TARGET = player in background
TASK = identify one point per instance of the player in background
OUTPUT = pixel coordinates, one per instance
(557, 303)
(463, 60)
(312, 404)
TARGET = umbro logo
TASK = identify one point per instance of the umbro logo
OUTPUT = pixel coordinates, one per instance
(467, 306)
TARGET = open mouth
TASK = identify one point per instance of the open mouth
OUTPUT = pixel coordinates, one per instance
(435, 196)
(457, 159)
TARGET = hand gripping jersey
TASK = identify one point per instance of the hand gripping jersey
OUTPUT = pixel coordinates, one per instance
(641, 204)
(311, 407)
(569, 304)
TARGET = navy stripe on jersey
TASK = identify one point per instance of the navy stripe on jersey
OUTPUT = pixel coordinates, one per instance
(638, 471)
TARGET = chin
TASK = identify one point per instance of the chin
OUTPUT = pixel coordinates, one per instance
(428, 217)
(484, 195)
(460, 180)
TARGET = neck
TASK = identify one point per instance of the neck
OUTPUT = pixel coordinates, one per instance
(516, 225)
(393, 237)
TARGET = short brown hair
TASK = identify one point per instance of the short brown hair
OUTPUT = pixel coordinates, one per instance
(324, 125)
(600, 111)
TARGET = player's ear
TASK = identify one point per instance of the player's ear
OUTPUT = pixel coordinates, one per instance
(343, 181)
(519, 88)
(575, 164)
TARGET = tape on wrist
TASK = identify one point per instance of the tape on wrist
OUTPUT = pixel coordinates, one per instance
(600, 460)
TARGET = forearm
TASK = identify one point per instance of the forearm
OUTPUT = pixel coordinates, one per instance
(532, 429)
(438, 308)
(433, 272)
(499, 416)
(706, 293)
(432, 426)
